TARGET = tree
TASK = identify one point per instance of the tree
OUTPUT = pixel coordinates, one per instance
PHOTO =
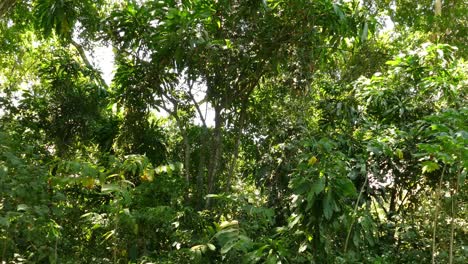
(253, 131)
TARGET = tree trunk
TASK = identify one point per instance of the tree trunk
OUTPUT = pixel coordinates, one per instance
(187, 150)
(438, 7)
(235, 156)
(201, 168)
(5, 5)
(216, 153)
(436, 215)
(453, 194)
(187, 156)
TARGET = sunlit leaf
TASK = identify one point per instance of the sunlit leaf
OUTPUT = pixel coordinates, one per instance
(211, 246)
(312, 160)
(22, 207)
(108, 188)
(429, 166)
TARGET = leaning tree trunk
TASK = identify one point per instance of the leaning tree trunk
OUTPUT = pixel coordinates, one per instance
(5, 5)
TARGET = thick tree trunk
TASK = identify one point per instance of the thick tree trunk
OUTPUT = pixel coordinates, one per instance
(187, 156)
(235, 156)
(216, 153)
(438, 7)
(201, 168)
(187, 149)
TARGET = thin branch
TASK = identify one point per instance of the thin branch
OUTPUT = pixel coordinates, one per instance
(183, 131)
(83, 56)
(354, 214)
(197, 105)
(452, 228)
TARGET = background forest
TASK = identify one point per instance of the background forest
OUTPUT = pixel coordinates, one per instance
(233, 131)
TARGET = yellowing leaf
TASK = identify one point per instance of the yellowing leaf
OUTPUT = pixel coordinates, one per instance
(199, 249)
(88, 182)
(312, 160)
(228, 224)
(211, 246)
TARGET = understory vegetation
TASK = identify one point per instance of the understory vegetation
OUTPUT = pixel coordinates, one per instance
(233, 131)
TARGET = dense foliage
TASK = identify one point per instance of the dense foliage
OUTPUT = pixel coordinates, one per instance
(233, 131)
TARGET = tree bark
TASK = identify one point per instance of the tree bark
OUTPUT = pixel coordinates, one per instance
(5, 5)
(187, 156)
(216, 152)
(436, 214)
(235, 156)
(185, 138)
(83, 56)
(438, 7)
(453, 194)
(201, 170)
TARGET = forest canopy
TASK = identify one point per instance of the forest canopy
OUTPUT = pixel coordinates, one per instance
(233, 131)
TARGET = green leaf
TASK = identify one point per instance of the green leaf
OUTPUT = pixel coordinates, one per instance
(22, 208)
(461, 178)
(228, 246)
(272, 259)
(429, 166)
(318, 186)
(338, 11)
(346, 187)
(399, 153)
(328, 206)
(108, 188)
(356, 239)
(310, 201)
(4, 222)
(302, 185)
(364, 32)
(227, 233)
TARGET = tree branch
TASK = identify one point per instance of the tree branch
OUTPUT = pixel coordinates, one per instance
(196, 104)
(83, 56)
(354, 215)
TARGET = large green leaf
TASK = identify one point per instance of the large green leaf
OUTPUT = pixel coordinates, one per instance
(328, 205)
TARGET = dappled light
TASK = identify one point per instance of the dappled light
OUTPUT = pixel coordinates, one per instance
(241, 131)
